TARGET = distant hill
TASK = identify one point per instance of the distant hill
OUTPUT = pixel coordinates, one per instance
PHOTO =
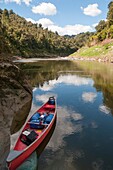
(101, 52)
(100, 43)
(81, 39)
(21, 38)
(104, 29)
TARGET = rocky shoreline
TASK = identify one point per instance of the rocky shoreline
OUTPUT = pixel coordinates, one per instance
(98, 59)
(15, 104)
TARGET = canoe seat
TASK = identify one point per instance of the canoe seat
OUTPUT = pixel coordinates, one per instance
(28, 136)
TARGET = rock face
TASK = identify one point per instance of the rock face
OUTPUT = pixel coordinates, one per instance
(15, 104)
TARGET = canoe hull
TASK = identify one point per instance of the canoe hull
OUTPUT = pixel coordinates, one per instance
(17, 161)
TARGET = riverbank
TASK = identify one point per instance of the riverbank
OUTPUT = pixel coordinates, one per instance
(15, 104)
(27, 60)
(102, 52)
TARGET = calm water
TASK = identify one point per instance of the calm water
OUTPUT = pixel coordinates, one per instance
(83, 136)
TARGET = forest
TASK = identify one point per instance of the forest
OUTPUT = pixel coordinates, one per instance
(19, 37)
(104, 29)
(22, 38)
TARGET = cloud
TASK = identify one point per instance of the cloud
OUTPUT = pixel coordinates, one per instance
(94, 25)
(27, 2)
(31, 20)
(91, 10)
(104, 109)
(89, 97)
(68, 29)
(45, 22)
(45, 9)
(75, 29)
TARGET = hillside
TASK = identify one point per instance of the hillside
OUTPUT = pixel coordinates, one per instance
(101, 52)
(21, 38)
(100, 45)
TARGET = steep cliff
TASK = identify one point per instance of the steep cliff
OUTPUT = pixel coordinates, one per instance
(15, 104)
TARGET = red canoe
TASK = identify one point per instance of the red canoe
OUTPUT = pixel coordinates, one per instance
(33, 134)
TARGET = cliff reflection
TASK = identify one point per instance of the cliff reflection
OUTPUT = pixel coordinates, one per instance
(20, 118)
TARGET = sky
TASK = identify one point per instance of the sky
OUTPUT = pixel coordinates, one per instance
(64, 16)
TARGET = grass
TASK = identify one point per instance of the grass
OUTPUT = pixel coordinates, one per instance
(94, 51)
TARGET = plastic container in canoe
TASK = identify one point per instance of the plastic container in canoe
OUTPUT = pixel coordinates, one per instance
(35, 120)
(51, 101)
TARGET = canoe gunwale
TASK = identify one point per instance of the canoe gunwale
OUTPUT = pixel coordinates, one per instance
(19, 153)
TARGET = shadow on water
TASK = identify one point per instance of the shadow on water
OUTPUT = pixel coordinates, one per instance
(32, 162)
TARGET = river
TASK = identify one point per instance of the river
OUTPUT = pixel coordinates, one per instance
(83, 136)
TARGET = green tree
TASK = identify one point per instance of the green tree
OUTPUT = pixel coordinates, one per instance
(102, 24)
(110, 14)
(29, 40)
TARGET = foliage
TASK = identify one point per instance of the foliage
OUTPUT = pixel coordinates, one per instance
(104, 29)
(95, 51)
(111, 31)
(100, 26)
(110, 14)
(19, 37)
(22, 38)
(81, 39)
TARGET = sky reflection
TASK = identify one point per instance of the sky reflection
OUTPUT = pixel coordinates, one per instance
(83, 134)
(104, 109)
(77, 134)
(44, 97)
(68, 80)
(65, 127)
(89, 97)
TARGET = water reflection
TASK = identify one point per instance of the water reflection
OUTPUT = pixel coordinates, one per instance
(44, 97)
(89, 97)
(65, 127)
(83, 137)
(104, 109)
(66, 79)
(19, 120)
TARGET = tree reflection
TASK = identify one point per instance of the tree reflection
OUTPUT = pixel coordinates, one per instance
(101, 73)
